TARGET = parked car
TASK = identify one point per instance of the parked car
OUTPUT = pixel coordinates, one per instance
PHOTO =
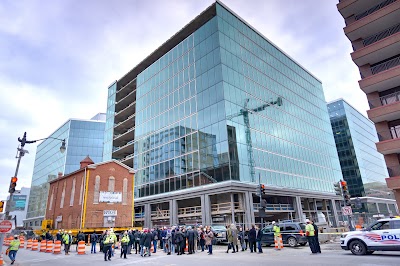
(383, 235)
(220, 232)
(293, 234)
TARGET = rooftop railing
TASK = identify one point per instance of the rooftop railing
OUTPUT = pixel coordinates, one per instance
(381, 35)
(385, 65)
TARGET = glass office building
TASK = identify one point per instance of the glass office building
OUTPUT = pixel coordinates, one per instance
(219, 102)
(83, 137)
(363, 167)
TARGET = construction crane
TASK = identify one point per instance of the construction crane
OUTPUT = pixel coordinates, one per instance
(245, 111)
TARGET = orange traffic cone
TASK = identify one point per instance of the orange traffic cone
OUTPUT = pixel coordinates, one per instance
(1, 259)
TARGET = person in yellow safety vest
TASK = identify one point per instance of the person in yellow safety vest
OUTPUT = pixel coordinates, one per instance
(13, 248)
(124, 244)
(310, 233)
(114, 237)
(108, 240)
(277, 236)
(67, 242)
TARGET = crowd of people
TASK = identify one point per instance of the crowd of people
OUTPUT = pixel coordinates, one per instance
(181, 240)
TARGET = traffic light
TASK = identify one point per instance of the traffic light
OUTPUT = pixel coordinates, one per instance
(346, 194)
(1, 206)
(262, 189)
(13, 184)
(338, 188)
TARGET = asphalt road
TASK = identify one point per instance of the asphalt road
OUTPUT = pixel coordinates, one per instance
(331, 255)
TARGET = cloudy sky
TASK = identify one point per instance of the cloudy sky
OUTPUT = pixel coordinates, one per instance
(57, 58)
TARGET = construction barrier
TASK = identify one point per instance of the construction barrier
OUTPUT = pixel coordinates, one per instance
(49, 246)
(187, 246)
(1, 259)
(278, 242)
(35, 245)
(29, 244)
(42, 246)
(21, 242)
(57, 247)
(81, 248)
(7, 241)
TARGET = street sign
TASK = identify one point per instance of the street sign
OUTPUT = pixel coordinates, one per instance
(347, 210)
(5, 226)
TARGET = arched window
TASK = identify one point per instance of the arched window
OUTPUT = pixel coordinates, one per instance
(96, 190)
(51, 199)
(125, 192)
(111, 184)
(81, 192)
(63, 195)
(71, 200)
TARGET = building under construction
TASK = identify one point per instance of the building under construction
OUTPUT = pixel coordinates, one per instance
(215, 110)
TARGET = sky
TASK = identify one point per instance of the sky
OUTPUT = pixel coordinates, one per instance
(57, 58)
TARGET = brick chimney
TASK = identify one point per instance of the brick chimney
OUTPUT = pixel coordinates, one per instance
(85, 162)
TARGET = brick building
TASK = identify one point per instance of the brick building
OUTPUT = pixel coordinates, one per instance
(95, 196)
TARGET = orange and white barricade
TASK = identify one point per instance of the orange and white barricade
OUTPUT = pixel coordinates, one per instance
(81, 248)
(21, 242)
(187, 246)
(278, 242)
(42, 246)
(35, 245)
(1, 259)
(57, 247)
(29, 244)
(49, 246)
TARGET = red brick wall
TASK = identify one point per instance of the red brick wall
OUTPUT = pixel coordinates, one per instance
(71, 215)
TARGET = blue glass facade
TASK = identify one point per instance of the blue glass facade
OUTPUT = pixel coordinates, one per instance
(109, 128)
(362, 165)
(83, 137)
(227, 104)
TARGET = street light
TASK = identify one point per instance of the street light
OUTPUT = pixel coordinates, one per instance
(20, 153)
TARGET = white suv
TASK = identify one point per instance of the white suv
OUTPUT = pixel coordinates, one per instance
(382, 235)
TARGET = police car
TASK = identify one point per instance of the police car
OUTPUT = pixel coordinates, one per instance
(383, 235)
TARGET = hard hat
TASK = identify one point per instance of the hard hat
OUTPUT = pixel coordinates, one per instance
(15, 235)
(69, 232)
(273, 222)
(307, 220)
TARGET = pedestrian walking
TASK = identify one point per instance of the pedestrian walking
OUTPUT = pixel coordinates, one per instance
(252, 239)
(136, 236)
(241, 238)
(93, 241)
(277, 236)
(147, 242)
(178, 241)
(154, 235)
(190, 238)
(67, 239)
(142, 237)
(232, 238)
(13, 248)
(246, 238)
(131, 241)
(107, 245)
(316, 240)
(202, 239)
(209, 239)
(310, 233)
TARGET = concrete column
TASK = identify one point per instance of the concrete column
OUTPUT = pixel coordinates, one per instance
(249, 208)
(387, 206)
(173, 212)
(335, 213)
(206, 210)
(298, 208)
(377, 208)
(233, 209)
(203, 209)
(147, 215)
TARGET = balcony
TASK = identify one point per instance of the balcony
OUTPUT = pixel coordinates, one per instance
(371, 54)
(381, 35)
(121, 104)
(129, 134)
(123, 126)
(123, 150)
(351, 7)
(382, 81)
(389, 109)
(125, 90)
(393, 182)
(127, 160)
(125, 112)
(385, 65)
(388, 146)
(373, 22)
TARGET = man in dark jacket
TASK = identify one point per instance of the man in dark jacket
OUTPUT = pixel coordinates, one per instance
(252, 239)
(183, 243)
(258, 240)
(316, 240)
(147, 241)
(191, 238)
(154, 238)
(93, 241)
(136, 237)
(178, 241)
(163, 238)
(131, 241)
(142, 237)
